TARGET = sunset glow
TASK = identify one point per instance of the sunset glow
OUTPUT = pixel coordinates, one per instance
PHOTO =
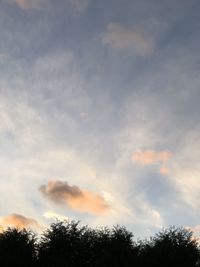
(99, 113)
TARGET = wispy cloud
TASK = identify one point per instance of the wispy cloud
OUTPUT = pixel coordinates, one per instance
(196, 232)
(75, 198)
(51, 126)
(76, 5)
(186, 169)
(121, 38)
(164, 170)
(19, 221)
(28, 4)
(54, 215)
(150, 157)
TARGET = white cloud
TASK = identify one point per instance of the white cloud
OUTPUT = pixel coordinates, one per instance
(54, 215)
(186, 169)
(45, 151)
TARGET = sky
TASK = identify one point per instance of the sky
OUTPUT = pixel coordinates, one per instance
(99, 113)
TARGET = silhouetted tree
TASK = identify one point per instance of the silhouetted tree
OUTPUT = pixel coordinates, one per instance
(115, 247)
(174, 247)
(17, 248)
(66, 244)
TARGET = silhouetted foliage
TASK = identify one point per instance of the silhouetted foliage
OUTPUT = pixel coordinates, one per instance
(67, 244)
(115, 247)
(17, 248)
(172, 247)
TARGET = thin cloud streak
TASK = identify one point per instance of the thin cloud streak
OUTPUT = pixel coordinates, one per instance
(62, 193)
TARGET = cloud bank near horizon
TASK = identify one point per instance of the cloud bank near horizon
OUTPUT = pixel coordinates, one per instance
(19, 221)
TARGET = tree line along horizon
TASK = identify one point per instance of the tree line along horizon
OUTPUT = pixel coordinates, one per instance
(68, 244)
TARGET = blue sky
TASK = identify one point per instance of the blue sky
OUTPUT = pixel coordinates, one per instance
(99, 112)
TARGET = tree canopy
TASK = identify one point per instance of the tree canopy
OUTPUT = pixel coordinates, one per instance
(67, 244)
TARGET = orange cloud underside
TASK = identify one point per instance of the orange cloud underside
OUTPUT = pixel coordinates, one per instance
(75, 198)
(88, 202)
(18, 221)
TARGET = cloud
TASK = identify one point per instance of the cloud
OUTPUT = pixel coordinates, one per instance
(186, 169)
(150, 157)
(76, 5)
(194, 229)
(120, 38)
(28, 4)
(196, 232)
(53, 215)
(18, 221)
(164, 170)
(80, 200)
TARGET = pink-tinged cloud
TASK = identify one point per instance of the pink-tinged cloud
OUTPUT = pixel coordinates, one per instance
(194, 229)
(164, 170)
(75, 5)
(29, 4)
(121, 38)
(196, 233)
(75, 198)
(18, 221)
(150, 157)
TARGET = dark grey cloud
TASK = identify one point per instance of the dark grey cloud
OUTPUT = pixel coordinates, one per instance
(58, 191)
